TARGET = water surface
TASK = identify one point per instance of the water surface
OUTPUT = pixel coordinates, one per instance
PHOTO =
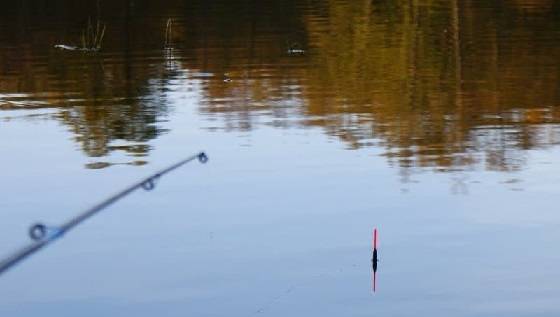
(435, 121)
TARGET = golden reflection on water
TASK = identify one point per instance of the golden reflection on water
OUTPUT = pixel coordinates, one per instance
(440, 84)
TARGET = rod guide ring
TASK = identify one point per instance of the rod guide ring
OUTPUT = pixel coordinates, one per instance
(38, 231)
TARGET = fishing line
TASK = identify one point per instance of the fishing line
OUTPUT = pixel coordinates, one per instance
(43, 235)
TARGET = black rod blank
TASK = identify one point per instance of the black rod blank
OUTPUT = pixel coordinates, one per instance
(43, 235)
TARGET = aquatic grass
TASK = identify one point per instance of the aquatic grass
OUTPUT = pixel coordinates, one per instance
(167, 43)
(92, 36)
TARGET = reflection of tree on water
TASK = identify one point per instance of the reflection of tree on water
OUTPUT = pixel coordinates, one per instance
(116, 108)
(105, 100)
(421, 79)
(96, 127)
(418, 79)
(440, 84)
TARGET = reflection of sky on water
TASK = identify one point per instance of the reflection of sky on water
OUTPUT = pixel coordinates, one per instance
(289, 219)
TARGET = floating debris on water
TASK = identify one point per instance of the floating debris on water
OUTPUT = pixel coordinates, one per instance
(296, 51)
(75, 48)
(67, 47)
(294, 48)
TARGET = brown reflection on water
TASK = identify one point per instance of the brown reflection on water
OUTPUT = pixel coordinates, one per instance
(105, 98)
(442, 84)
(438, 83)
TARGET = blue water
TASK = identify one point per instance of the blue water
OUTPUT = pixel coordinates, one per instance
(279, 221)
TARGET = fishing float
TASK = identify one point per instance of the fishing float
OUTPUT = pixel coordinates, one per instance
(374, 259)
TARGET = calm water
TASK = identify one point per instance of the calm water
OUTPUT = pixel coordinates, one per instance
(437, 122)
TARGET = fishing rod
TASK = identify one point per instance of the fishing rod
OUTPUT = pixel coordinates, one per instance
(43, 235)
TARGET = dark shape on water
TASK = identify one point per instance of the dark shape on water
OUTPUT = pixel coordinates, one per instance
(42, 235)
